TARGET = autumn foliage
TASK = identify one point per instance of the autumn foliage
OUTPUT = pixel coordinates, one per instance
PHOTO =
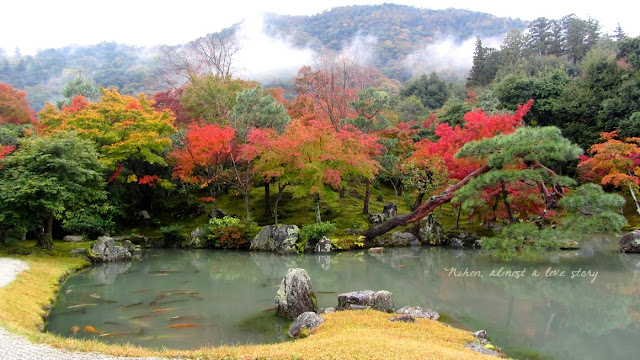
(14, 107)
(478, 125)
(126, 129)
(201, 159)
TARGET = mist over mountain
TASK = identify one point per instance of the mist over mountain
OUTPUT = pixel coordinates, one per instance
(401, 41)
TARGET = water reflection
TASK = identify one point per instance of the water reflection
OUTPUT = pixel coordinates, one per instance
(227, 297)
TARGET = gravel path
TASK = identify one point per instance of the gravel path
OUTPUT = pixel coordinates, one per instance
(14, 347)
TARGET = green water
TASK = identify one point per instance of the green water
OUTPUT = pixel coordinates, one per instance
(226, 297)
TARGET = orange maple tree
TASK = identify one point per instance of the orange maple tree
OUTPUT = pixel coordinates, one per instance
(613, 162)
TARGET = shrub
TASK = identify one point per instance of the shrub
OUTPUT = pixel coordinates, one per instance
(314, 232)
(92, 221)
(173, 235)
(228, 233)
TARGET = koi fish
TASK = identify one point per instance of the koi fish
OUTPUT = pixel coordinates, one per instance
(80, 305)
(399, 266)
(130, 305)
(91, 329)
(68, 291)
(141, 316)
(164, 310)
(185, 317)
(165, 271)
(84, 311)
(180, 326)
(74, 329)
(116, 334)
(168, 302)
(140, 291)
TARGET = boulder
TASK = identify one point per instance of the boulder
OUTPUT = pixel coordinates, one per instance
(127, 244)
(217, 213)
(456, 243)
(106, 250)
(196, 238)
(630, 243)
(304, 323)
(323, 246)
(401, 238)
(389, 210)
(282, 239)
(431, 230)
(134, 238)
(295, 294)
(142, 215)
(73, 238)
(366, 299)
(376, 218)
(486, 349)
(460, 239)
(481, 335)
(376, 250)
(418, 312)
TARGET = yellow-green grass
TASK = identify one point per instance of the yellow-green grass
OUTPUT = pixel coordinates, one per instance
(344, 335)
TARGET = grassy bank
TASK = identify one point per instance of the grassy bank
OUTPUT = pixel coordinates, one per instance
(344, 335)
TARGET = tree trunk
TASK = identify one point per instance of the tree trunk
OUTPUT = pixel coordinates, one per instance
(418, 201)
(423, 210)
(635, 199)
(506, 202)
(44, 240)
(316, 203)
(458, 216)
(267, 199)
(367, 193)
(275, 205)
(246, 203)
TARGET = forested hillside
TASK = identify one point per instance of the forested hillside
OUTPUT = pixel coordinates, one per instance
(397, 31)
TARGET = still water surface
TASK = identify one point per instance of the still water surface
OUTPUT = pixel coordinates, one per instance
(192, 298)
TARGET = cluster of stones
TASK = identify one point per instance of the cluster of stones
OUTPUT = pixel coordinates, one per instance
(109, 249)
(295, 300)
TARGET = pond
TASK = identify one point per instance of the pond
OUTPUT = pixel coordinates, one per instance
(582, 304)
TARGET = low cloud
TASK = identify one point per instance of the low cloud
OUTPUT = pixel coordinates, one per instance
(446, 56)
(266, 58)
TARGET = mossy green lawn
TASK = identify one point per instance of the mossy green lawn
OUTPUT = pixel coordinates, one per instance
(344, 335)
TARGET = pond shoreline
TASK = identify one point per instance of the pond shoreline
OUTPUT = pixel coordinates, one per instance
(22, 334)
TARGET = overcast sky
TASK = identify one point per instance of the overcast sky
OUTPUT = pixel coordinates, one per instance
(40, 24)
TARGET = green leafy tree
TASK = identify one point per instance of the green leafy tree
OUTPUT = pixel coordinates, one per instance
(431, 90)
(78, 86)
(46, 178)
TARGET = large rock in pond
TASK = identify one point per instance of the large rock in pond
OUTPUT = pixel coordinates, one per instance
(323, 246)
(304, 323)
(295, 294)
(366, 299)
(431, 231)
(106, 250)
(282, 239)
(630, 243)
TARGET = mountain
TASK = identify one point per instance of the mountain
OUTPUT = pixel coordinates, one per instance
(400, 40)
(394, 31)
